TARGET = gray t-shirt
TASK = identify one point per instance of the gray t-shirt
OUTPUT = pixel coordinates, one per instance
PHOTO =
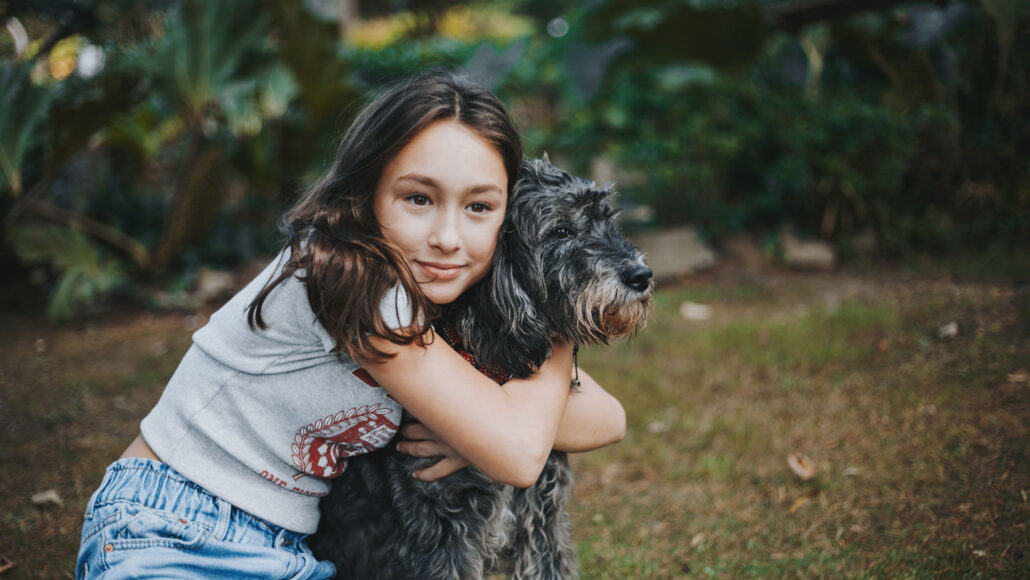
(263, 418)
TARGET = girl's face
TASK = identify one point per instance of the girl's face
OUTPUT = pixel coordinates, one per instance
(441, 200)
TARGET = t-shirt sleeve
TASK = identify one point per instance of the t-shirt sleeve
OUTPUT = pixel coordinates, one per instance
(394, 306)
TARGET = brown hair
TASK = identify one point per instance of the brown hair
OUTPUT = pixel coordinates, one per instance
(332, 231)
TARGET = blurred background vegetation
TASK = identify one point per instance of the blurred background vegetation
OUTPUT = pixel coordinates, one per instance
(144, 140)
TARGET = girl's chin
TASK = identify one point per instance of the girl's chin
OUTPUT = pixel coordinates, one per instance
(441, 296)
(442, 292)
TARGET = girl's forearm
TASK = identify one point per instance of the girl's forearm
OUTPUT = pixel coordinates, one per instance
(593, 419)
(507, 433)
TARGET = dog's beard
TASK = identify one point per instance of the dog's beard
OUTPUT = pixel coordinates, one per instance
(627, 319)
(608, 310)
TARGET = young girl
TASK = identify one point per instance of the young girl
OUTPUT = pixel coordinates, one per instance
(313, 361)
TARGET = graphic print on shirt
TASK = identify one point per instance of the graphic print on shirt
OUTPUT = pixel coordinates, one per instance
(320, 448)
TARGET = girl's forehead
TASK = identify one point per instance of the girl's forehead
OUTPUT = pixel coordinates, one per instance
(449, 151)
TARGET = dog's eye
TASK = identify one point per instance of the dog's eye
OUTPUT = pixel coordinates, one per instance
(561, 232)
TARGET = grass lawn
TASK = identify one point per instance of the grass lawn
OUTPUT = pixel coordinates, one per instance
(919, 443)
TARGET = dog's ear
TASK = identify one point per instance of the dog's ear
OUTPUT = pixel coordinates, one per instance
(501, 319)
(502, 323)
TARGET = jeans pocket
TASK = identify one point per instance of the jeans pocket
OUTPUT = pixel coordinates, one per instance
(90, 555)
(97, 521)
(141, 528)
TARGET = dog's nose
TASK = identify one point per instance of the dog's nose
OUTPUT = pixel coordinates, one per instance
(638, 278)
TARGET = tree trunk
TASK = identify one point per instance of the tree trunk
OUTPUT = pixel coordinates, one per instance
(194, 210)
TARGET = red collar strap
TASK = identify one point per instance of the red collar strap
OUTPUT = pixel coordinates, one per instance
(446, 330)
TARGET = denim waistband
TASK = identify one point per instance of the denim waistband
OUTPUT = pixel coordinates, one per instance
(158, 486)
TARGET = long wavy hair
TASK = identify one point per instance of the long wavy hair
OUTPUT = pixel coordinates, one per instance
(334, 239)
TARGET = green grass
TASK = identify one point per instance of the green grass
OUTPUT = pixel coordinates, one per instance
(921, 444)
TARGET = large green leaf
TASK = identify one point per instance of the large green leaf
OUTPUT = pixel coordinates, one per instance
(23, 106)
(208, 48)
(84, 273)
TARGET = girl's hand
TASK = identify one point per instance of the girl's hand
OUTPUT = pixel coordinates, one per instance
(421, 442)
(507, 433)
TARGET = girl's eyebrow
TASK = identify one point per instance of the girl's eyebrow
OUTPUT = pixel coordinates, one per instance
(430, 182)
(418, 178)
(486, 188)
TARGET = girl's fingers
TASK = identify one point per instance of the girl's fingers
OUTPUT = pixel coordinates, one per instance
(416, 431)
(441, 469)
(424, 448)
(421, 442)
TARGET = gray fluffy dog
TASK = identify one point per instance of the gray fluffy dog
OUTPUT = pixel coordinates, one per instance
(562, 271)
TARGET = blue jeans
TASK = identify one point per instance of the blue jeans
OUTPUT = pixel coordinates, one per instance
(148, 521)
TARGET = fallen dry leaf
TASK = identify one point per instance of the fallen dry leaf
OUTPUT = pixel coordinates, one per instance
(802, 466)
(6, 564)
(949, 330)
(657, 427)
(695, 311)
(48, 496)
(804, 499)
(1019, 376)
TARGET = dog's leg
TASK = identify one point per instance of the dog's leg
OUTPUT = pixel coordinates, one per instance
(447, 524)
(541, 546)
(358, 531)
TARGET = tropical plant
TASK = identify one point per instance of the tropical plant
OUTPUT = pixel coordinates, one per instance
(25, 105)
(208, 56)
(84, 273)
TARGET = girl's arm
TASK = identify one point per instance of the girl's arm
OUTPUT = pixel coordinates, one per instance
(592, 419)
(507, 433)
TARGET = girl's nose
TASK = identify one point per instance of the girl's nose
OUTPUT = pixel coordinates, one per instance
(445, 235)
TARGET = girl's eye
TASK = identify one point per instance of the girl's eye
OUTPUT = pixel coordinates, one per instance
(561, 232)
(418, 199)
(478, 207)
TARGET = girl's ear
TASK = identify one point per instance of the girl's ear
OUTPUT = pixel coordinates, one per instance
(503, 323)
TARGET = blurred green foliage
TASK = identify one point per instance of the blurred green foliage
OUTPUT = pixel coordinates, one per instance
(86, 273)
(866, 122)
(24, 108)
(204, 119)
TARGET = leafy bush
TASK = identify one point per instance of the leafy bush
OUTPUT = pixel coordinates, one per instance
(208, 118)
(731, 153)
(24, 106)
(83, 272)
(859, 124)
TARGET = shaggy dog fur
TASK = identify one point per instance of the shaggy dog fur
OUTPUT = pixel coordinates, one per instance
(562, 271)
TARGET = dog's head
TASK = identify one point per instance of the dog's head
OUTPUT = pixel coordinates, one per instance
(562, 270)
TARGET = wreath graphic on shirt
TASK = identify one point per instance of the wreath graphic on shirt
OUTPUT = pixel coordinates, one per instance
(321, 448)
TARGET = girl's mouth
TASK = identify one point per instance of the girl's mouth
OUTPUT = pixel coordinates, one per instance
(440, 271)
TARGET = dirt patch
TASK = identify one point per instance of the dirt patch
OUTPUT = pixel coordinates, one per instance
(918, 440)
